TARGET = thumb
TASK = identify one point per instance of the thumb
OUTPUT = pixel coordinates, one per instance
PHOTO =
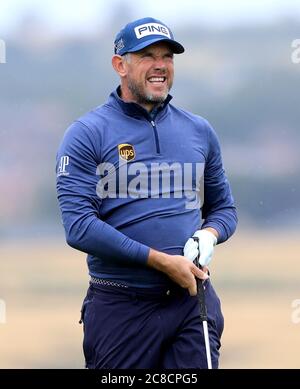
(199, 273)
(190, 250)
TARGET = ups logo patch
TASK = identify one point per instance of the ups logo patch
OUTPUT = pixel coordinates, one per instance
(126, 151)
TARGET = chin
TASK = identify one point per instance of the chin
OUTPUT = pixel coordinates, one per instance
(157, 97)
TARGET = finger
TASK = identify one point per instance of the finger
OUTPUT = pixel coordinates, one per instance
(190, 250)
(205, 269)
(199, 273)
(193, 288)
(191, 244)
(192, 254)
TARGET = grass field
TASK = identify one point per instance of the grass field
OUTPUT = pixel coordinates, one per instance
(256, 276)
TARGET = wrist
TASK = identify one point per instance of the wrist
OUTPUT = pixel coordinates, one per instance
(212, 230)
(158, 260)
(209, 232)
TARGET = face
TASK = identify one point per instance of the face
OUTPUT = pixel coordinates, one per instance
(149, 74)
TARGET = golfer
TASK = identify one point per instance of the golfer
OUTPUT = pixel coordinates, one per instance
(139, 179)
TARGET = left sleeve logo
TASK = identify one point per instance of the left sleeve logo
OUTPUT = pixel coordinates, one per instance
(126, 151)
(63, 163)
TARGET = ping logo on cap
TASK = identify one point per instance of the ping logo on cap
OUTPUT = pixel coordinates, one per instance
(151, 29)
(126, 151)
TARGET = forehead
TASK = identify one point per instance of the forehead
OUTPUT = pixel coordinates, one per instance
(156, 48)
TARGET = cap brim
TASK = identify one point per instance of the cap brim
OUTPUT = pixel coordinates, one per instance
(176, 47)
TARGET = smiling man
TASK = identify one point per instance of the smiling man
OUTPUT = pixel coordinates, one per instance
(141, 82)
(143, 192)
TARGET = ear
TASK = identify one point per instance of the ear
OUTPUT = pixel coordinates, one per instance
(119, 64)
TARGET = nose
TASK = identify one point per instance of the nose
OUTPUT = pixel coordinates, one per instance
(159, 63)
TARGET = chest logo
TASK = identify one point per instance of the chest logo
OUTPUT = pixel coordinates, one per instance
(126, 151)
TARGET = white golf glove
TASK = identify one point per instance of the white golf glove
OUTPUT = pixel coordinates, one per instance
(207, 241)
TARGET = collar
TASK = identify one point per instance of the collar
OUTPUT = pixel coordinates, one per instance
(134, 109)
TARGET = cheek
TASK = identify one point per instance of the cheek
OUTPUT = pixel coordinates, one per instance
(140, 74)
(171, 73)
(170, 69)
(137, 78)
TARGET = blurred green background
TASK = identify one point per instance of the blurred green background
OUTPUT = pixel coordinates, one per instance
(238, 73)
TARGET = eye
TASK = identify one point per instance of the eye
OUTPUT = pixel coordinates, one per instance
(169, 56)
(146, 55)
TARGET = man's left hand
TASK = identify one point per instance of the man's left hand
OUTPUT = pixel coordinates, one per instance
(207, 241)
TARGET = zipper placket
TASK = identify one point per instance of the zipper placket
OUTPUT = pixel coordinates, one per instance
(155, 136)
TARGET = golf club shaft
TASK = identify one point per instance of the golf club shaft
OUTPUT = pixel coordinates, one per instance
(207, 345)
(203, 317)
(203, 311)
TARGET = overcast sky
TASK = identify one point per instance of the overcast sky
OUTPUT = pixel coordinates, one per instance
(85, 15)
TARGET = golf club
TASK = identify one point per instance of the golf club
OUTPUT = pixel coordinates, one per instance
(203, 310)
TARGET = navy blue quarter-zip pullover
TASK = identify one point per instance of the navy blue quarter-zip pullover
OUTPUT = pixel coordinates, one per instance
(117, 231)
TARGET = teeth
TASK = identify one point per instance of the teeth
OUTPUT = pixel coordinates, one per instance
(157, 79)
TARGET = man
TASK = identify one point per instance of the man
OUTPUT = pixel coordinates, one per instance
(131, 174)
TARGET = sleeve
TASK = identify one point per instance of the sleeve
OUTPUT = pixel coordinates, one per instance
(218, 211)
(77, 161)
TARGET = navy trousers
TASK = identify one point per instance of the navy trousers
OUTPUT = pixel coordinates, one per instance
(142, 328)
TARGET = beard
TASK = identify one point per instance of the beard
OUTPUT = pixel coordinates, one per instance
(142, 97)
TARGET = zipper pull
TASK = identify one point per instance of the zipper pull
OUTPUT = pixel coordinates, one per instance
(153, 123)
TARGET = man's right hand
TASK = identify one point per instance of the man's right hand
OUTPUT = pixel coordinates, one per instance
(178, 268)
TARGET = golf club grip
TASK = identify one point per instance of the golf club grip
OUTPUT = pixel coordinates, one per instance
(200, 288)
(201, 300)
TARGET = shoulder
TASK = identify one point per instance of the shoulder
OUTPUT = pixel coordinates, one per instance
(181, 114)
(88, 126)
(95, 119)
(85, 132)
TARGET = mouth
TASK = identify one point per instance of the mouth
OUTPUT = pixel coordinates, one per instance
(157, 80)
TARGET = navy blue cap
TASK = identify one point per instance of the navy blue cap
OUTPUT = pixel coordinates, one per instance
(144, 32)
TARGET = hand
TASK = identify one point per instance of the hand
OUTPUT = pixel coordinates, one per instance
(183, 272)
(178, 268)
(207, 241)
